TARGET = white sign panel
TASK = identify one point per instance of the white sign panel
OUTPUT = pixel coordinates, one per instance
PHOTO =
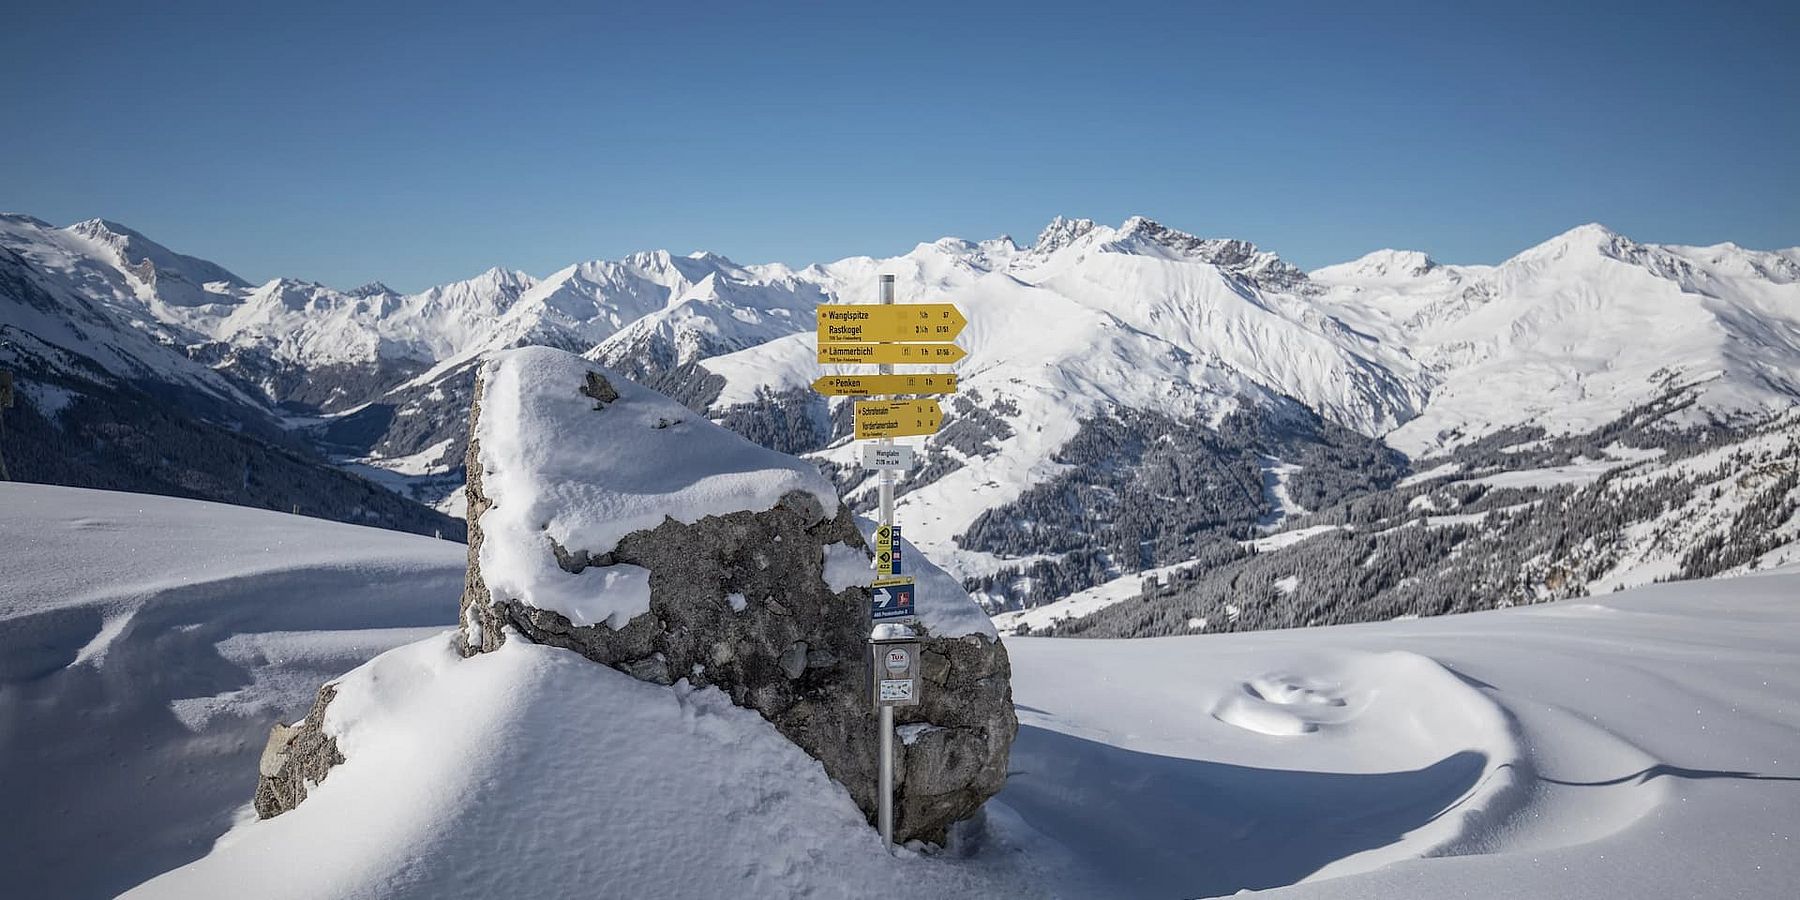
(897, 456)
(898, 660)
(896, 690)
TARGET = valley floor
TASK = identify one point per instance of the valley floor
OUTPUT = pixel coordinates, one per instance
(1642, 744)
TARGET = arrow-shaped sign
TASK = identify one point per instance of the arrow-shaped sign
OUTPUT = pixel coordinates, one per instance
(891, 354)
(852, 322)
(869, 385)
(897, 418)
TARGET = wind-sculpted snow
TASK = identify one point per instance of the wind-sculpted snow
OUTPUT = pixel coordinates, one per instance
(531, 772)
(145, 645)
(1620, 747)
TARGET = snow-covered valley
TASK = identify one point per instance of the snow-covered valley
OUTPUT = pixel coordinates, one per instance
(1639, 744)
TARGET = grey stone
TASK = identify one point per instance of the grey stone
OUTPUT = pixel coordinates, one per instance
(796, 654)
(295, 756)
(793, 660)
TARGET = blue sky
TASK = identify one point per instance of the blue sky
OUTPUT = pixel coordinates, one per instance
(423, 144)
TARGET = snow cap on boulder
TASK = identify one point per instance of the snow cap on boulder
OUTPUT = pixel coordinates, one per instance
(611, 521)
(559, 477)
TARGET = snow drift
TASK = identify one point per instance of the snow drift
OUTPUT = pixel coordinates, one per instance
(1620, 747)
(611, 521)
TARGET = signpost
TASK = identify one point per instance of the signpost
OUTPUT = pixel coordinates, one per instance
(845, 322)
(894, 674)
(891, 600)
(868, 385)
(888, 335)
(898, 457)
(891, 354)
(897, 418)
(887, 551)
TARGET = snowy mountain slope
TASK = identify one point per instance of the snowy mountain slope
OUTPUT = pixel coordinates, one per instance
(1571, 333)
(145, 645)
(108, 398)
(1543, 520)
(1087, 321)
(57, 288)
(1092, 319)
(1635, 745)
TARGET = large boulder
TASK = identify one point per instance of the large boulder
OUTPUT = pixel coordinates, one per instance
(611, 521)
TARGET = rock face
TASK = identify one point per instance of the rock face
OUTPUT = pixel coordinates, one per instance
(295, 756)
(756, 584)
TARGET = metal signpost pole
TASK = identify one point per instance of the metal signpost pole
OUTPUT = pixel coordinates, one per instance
(885, 335)
(887, 712)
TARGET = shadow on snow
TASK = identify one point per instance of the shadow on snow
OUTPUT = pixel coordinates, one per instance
(1164, 826)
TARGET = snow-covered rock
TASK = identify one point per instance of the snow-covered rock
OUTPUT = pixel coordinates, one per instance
(611, 521)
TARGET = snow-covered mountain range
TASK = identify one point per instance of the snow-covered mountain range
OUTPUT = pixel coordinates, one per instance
(1087, 323)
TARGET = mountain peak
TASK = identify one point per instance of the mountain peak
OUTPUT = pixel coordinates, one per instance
(1592, 237)
(1386, 264)
(95, 228)
(155, 263)
(373, 289)
(1061, 233)
(33, 221)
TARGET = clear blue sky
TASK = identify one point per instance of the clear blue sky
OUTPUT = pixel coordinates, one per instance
(423, 145)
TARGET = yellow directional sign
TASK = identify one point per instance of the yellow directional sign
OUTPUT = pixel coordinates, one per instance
(851, 322)
(868, 385)
(891, 354)
(897, 418)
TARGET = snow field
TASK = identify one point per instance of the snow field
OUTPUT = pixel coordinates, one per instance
(1636, 745)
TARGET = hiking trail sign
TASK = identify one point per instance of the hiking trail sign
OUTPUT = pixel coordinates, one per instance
(891, 354)
(871, 385)
(861, 322)
(897, 418)
(889, 334)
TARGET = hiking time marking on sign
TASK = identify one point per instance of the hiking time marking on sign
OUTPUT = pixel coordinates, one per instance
(871, 385)
(891, 354)
(849, 322)
(897, 418)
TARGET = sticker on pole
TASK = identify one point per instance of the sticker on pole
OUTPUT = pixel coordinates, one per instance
(896, 456)
(891, 600)
(896, 690)
(887, 551)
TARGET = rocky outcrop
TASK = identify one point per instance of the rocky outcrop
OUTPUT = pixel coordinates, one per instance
(760, 594)
(295, 756)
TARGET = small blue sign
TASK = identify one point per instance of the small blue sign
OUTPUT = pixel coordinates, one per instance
(895, 549)
(889, 602)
